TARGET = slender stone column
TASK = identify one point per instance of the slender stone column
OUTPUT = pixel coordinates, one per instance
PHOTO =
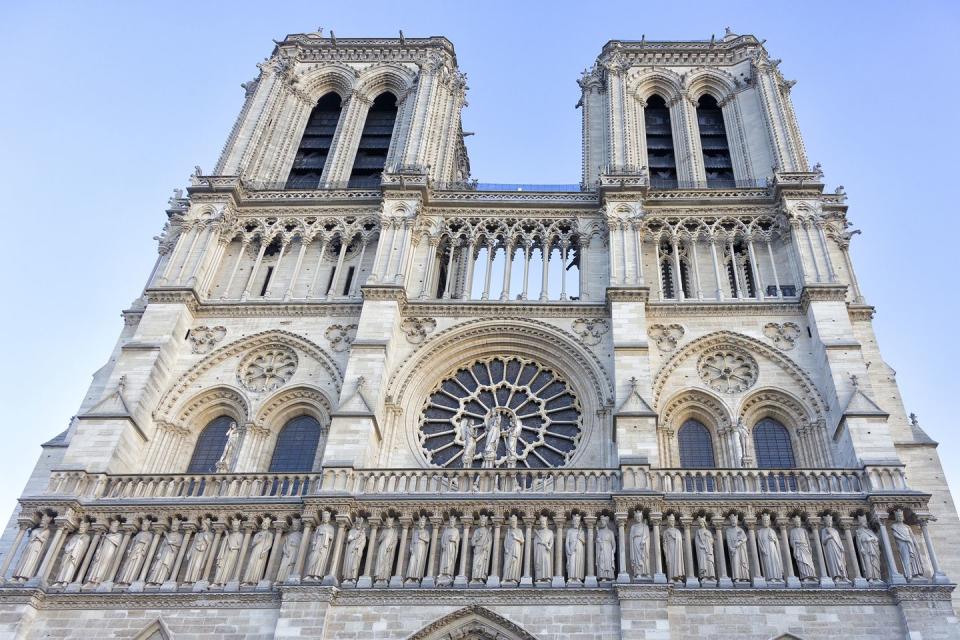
(107, 584)
(755, 267)
(591, 578)
(236, 265)
(658, 575)
(14, 548)
(791, 578)
(698, 286)
(197, 232)
(716, 266)
(895, 577)
(256, 267)
(436, 522)
(613, 225)
(526, 270)
(357, 277)
(284, 243)
(624, 575)
(719, 554)
(813, 252)
(659, 267)
(276, 551)
(758, 579)
(212, 551)
(175, 571)
(397, 579)
(384, 247)
(78, 580)
(773, 268)
(677, 275)
(527, 579)
(831, 273)
(558, 554)
(158, 531)
(493, 580)
(825, 580)
(938, 576)
(402, 252)
(333, 572)
(738, 291)
(448, 285)
(468, 281)
(366, 578)
(215, 263)
(491, 248)
(53, 549)
(234, 581)
(692, 581)
(304, 243)
(638, 250)
(305, 540)
(546, 252)
(563, 269)
(332, 292)
(316, 271)
(853, 564)
(430, 269)
(507, 270)
(208, 247)
(461, 578)
(185, 228)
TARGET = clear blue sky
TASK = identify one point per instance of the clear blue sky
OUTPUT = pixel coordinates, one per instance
(108, 106)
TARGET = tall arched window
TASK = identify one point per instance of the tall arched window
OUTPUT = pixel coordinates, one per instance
(297, 444)
(315, 144)
(661, 161)
(771, 440)
(713, 141)
(374, 142)
(209, 446)
(696, 446)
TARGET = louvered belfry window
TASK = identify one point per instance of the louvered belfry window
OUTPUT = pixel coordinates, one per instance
(713, 142)
(374, 142)
(316, 143)
(661, 161)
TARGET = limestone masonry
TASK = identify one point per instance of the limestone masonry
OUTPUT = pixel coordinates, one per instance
(365, 396)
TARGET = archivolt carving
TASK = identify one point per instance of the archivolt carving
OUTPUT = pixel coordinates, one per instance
(716, 82)
(389, 77)
(773, 403)
(284, 404)
(226, 400)
(811, 395)
(646, 82)
(472, 622)
(257, 340)
(338, 78)
(695, 403)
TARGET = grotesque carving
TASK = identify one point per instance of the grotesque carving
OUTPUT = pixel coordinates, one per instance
(590, 330)
(666, 336)
(268, 368)
(784, 336)
(416, 329)
(728, 369)
(341, 336)
(204, 339)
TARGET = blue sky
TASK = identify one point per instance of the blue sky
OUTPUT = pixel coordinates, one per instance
(108, 106)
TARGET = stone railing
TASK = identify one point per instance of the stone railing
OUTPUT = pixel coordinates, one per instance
(459, 482)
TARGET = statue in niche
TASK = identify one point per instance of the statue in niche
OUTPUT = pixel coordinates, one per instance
(320, 548)
(492, 441)
(259, 554)
(543, 539)
(606, 550)
(166, 555)
(768, 547)
(513, 540)
(229, 553)
(468, 432)
(73, 553)
(291, 548)
(136, 554)
(419, 550)
(800, 544)
(106, 552)
(514, 427)
(741, 440)
(198, 552)
(226, 458)
(703, 541)
(481, 541)
(907, 546)
(868, 546)
(356, 541)
(737, 544)
(386, 550)
(639, 546)
(449, 546)
(33, 552)
(833, 555)
(575, 545)
(673, 549)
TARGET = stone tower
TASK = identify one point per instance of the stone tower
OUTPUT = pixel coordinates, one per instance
(364, 395)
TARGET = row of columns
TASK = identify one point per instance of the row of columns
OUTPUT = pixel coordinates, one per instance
(810, 249)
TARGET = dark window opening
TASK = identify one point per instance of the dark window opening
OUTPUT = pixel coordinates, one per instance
(210, 446)
(296, 447)
(696, 446)
(666, 275)
(187, 336)
(266, 282)
(661, 161)
(732, 279)
(346, 285)
(315, 144)
(772, 444)
(333, 273)
(713, 142)
(374, 142)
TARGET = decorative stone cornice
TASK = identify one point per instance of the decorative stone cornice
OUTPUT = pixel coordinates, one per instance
(822, 293)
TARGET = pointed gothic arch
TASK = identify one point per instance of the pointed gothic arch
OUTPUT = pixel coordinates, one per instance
(156, 630)
(472, 622)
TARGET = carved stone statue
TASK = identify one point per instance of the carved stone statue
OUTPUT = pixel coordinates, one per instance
(229, 553)
(741, 438)
(259, 554)
(449, 546)
(229, 448)
(198, 552)
(673, 549)
(356, 541)
(166, 554)
(639, 546)
(575, 547)
(513, 540)
(833, 554)
(468, 432)
(320, 548)
(136, 554)
(492, 441)
(606, 550)
(703, 541)
(386, 550)
(868, 547)
(768, 547)
(291, 548)
(481, 541)
(514, 427)
(906, 546)
(33, 552)
(543, 539)
(737, 545)
(800, 544)
(103, 558)
(419, 550)
(73, 553)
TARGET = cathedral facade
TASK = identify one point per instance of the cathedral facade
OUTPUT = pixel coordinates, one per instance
(365, 396)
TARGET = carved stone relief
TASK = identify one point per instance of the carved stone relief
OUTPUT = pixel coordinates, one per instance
(784, 336)
(590, 330)
(728, 369)
(666, 336)
(204, 339)
(416, 329)
(268, 368)
(341, 336)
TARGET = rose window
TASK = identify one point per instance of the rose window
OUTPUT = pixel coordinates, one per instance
(267, 369)
(501, 412)
(728, 370)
